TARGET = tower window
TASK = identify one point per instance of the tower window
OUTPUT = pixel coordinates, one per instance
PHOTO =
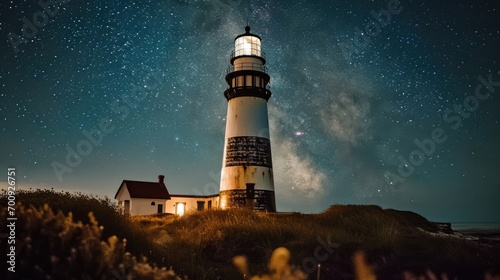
(248, 81)
(257, 81)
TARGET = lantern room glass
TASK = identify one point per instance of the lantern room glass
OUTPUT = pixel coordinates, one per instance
(247, 45)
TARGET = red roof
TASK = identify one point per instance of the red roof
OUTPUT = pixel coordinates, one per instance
(139, 189)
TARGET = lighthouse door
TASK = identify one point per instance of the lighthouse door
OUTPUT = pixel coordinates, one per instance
(250, 196)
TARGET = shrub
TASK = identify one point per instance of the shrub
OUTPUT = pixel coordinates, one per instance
(53, 246)
(104, 211)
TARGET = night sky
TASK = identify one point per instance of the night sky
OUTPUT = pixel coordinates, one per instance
(401, 112)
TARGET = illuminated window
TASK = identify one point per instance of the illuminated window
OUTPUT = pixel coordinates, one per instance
(222, 202)
(180, 208)
(247, 45)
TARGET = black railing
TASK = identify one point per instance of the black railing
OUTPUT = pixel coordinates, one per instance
(268, 87)
(253, 52)
(247, 91)
(246, 66)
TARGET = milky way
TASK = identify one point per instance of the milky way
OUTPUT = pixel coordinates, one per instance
(381, 102)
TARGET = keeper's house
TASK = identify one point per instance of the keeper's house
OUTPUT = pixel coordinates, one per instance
(146, 198)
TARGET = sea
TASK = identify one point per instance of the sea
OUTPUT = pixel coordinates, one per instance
(476, 226)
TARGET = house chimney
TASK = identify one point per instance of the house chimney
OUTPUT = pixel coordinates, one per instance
(160, 179)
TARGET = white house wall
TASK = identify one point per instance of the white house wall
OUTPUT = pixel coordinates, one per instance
(142, 206)
(122, 195)
(191, 203)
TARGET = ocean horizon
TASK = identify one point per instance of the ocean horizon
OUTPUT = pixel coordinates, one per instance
(476, 226)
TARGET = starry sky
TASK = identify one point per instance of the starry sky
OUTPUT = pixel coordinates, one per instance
(374, 102)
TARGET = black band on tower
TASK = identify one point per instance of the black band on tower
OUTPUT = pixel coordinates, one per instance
(248, 151)
(263, 201)
(246, 91)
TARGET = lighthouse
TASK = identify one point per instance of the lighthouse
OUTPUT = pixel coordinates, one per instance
(247, 168)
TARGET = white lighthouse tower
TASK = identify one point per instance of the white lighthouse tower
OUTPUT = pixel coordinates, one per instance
(247, 169)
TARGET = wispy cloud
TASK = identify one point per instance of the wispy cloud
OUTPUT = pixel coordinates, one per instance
(294, 170)
(346, 118)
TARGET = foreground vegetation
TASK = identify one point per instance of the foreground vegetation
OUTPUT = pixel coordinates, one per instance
(65, 236)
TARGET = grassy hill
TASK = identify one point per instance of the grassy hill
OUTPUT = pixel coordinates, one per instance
(56, 236)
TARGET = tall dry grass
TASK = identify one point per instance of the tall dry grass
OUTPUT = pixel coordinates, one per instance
(52, 245)
(203, 244)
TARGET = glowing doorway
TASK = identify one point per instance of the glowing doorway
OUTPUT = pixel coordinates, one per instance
(180, 208)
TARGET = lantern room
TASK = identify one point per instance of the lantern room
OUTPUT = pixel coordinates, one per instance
(247, 44)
